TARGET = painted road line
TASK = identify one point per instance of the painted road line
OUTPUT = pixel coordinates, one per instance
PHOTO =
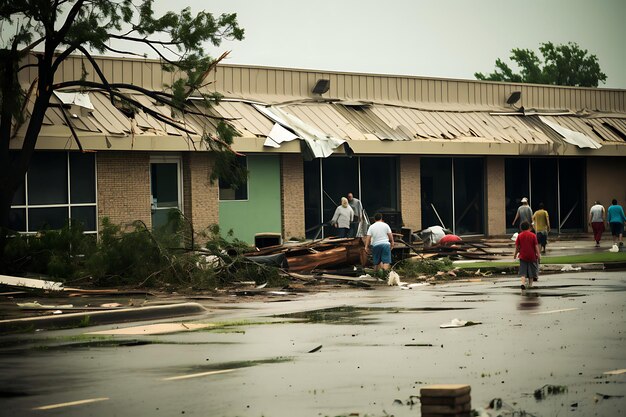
(176, 378)
(71, 403)
(556, 311)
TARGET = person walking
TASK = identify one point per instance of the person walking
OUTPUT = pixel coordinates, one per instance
(597, 216)
(524, 213)
(342, 218)
(616, 218)
(357, 208)
(380, 238)
(527, 249)
(541, 219)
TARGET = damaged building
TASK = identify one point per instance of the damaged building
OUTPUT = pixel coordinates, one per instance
(424, 151)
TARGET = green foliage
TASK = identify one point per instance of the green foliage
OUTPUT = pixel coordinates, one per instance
(57, 253)
(412, 269)
(564, 64)
(139, 257)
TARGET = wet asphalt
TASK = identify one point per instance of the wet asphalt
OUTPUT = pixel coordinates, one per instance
(378, 347)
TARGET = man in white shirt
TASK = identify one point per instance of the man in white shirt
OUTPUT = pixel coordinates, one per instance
(380, 238)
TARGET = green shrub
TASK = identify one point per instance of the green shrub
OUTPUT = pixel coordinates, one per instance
(413, 268)
(166, 256)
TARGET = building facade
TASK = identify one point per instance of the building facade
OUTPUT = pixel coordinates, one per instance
(423, 151)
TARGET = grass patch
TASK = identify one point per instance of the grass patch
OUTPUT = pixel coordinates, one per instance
(601, 257)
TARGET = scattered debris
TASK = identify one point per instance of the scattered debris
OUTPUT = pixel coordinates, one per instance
(34, 305)
(315, 349)
(600, 396)
(547, 390)
(459, 323)
(30, 283)
(570, 268)
(394, 279)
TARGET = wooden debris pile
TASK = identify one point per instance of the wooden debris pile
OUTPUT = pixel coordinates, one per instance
(308, 256)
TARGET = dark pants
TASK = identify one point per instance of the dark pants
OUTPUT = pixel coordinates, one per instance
(342, 231)
(354, 227)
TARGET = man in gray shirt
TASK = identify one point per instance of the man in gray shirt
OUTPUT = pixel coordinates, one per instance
(524, 213)
(357, 207)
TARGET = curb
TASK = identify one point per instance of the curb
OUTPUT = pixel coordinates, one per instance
(101, 317)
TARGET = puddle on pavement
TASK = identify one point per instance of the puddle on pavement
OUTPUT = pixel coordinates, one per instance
(231, 365)
(356, 315)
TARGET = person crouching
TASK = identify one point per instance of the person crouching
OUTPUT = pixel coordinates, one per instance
(527, 249)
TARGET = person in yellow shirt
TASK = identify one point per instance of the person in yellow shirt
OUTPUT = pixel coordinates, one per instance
(541, 220)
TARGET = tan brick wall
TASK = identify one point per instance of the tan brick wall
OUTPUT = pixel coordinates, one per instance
(410, 190)
(496, 207)
(292, 195)
(124, 187)
(200, 197)
(606, 180)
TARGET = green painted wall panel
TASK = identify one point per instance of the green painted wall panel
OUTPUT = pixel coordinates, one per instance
(261, 212)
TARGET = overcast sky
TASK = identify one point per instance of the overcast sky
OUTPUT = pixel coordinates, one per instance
(439, 38)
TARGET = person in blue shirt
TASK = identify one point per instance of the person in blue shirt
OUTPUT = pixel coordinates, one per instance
(616, 218)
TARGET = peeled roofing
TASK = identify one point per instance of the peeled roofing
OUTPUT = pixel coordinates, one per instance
(349, 121)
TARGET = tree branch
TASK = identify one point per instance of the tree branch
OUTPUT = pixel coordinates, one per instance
(71, 16)
(159, 96)
(71, 126)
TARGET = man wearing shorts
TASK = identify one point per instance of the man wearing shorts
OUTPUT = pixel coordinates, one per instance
(527, 247)
(616, 218)
(380, 238)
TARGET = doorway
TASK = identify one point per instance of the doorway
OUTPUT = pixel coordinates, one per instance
(165, 189)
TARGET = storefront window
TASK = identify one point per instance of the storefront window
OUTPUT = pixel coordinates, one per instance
(47, 199)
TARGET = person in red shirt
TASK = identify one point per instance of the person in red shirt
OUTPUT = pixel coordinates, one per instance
(527, 247)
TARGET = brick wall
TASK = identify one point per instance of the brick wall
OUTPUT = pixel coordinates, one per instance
(292, 195)
(200, 197)
(124, 187)
(496, 201)
(606, 180)
(410, 186)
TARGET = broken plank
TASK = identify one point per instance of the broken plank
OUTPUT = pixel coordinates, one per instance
(30, 283)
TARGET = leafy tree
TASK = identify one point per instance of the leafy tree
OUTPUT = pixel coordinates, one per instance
(562, 65)
(51, 30)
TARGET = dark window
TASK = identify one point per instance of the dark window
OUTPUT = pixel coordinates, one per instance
(436, 185)
(341, 176)
(47, 218)
(164, 184)
(86, 216)
(379, 179)
(17, 219)
(83, 178)
(572, 192)
(47, 203)
(47, 178)
(19, 198)
(516, 187)
(469, 195)
(544, 187)
(231, 191)
(312, 197)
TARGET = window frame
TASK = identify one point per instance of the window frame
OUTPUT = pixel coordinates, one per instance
(247, 186)
(69, 205)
